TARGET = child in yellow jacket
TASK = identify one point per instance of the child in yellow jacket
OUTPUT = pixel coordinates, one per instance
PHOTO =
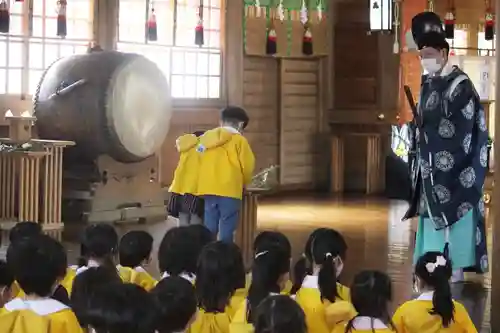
(38, 264)
(219, 285)
(226, 167)
(135, 252)
(184, 203)
(262, 243)
(276, 314)
(434, 310)
(324, 301)
(371, 293)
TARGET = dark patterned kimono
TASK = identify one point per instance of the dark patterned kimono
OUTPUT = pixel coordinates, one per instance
(449, 170)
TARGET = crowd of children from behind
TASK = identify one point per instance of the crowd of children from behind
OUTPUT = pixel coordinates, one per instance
(204, 287)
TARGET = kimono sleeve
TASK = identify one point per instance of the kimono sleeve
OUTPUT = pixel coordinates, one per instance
(398, 319)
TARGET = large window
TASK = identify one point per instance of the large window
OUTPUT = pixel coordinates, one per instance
(486, 47)
(193, 72)
(459, 44)
(23, 58)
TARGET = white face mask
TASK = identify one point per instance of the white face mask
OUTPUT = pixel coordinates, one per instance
(430, 65)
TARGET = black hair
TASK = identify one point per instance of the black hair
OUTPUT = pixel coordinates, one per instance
(435, 40)
(219, 274)
(176, 303)
(180, 248)
(135, 247)
(279, 314)
(121, 308)
(438, 280)
(267, 239)
(6, 276)
(24, 229)
(235, 115)
(198, 133)
(322, 247)
(61, 294)
(267, 268)
(37, 263)
(371, 292)
(85, 284)
(100, 242)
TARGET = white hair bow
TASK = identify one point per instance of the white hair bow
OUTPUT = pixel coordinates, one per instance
(431, 266)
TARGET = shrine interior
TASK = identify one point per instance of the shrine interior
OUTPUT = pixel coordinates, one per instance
(322, 82)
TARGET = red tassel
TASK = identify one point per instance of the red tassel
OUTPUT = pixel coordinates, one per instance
(4, 17)
(307, 42)
(271, 44)
(449, 25)
(199, 31)
(152, 28)
(62, 29)
(489, 26)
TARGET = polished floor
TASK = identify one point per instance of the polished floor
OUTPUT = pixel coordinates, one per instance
(376, 237)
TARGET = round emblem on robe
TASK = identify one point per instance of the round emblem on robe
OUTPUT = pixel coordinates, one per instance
(446, 129)
(444, 160)
(467, 177)
(425, 168)
(442, 193)
(480, 207)
(468, 110)
(463, 209)
(466, 142)
(483, 156)
(481, 121)
(432, 101)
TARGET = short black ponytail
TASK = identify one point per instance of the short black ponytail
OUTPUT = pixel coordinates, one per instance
(434, 270)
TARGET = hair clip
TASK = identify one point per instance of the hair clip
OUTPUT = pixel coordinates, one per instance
(260, 254)
(431, 266)
(328, 255)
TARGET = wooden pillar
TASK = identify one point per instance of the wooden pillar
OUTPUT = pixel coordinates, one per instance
(233, 57)
(495, 264)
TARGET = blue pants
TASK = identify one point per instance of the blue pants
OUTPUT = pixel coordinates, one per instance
(221, 216)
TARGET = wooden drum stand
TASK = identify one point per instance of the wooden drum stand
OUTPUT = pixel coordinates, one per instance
(30, 178)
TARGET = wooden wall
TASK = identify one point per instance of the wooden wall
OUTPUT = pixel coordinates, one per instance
(366, 99)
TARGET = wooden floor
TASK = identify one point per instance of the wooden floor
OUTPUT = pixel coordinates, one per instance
(376, 237)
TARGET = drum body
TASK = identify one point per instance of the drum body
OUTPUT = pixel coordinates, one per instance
(121, 107)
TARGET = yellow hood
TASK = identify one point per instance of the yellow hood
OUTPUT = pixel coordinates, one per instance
(339, 312)
(186, 142)
(215, 138)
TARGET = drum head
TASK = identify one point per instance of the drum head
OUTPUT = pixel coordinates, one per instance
(138, 108)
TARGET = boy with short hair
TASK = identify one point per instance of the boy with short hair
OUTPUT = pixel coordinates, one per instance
(226, 167)
(176, 304)
(39, 263)
(135, 251)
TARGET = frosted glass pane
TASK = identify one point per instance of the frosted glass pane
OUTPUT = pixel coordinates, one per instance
(3, 81)
(177, 86)
(190, 63)
(51, 54)
(202, 87)
(202, 65)
(81, 9)
(79, 29)
(36, 51)
(37, 27)
(3, 54)
(215, 64)
(15, 54)
(214, 87)
(189, 87)
(177, 62)
(14, 81)
(34, 79)
(16, 25)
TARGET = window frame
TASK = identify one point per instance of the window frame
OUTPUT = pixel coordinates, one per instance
(188, 102)
(26, 40)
